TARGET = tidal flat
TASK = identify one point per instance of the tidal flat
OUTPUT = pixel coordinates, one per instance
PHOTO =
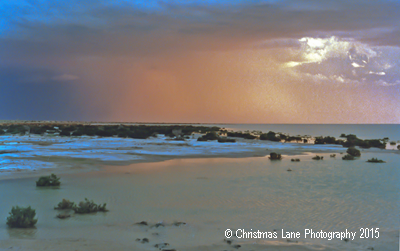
(209, 186)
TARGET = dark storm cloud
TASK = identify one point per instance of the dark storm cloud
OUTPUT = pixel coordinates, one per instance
(28, 93)
(94, 28)
(139, 60)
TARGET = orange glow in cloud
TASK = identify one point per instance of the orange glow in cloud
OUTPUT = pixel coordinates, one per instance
(203, 62)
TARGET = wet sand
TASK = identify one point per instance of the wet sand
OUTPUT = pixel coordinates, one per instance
(168, 188)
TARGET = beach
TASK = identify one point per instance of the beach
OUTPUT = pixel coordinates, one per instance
(207, 187)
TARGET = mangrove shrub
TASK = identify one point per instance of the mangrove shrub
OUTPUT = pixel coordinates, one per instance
(21, 217)
(353, 152)
(65, 204)
(85, 207)
(275, 156)
(51, 180)
(348, 157)
(375, 160)
(270, 136)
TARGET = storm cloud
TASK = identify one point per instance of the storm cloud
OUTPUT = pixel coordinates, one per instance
(203, 61)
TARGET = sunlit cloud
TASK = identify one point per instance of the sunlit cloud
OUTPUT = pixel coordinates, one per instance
(343, 61)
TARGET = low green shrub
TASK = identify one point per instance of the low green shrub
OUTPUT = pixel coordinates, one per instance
(295, 160)
(85, 207)
(318, 157)
(77, 133)
(392, 143)
(376, 160)
(51, 180)
(275, 156)
(348, 157)
(241, 135)
(226, 140)
(21, 217)
(325, 140)
(353, 152)
(104, 133)
(208, 136)
(270, 136)
(65, 204)
(65, 133)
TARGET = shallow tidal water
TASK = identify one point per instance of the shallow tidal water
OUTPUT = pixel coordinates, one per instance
(213, 194)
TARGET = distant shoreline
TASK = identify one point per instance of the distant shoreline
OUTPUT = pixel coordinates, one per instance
(171, 123)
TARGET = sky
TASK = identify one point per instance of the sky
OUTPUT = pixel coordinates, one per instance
(200, 61)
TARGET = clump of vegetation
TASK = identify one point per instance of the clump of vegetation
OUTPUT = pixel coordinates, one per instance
(51, 180)
(327, 140)
(226, 140)
(241, 135)
(398, 147)
(41, 129)
(17, 129)
(65, 133)
(22, 217)
(318, 157)
(332, 155)
(104, 133)
(270, 136)
(392, 143)
(77, 133)
(348, 157)
(295, 138)
(208, 136)
(65, 204)
(85, 207)
(353, 141)
(376, 160)
(132, 131)
(353, 152)
(295, 160)
(275, 156)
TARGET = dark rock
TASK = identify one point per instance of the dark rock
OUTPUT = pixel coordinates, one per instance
(145, 240)
(161, 245)
(236, 246)
(318, 157)
(158, 225)
(63, 216)
(179, 223)
(228, 241)
(144, 223)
